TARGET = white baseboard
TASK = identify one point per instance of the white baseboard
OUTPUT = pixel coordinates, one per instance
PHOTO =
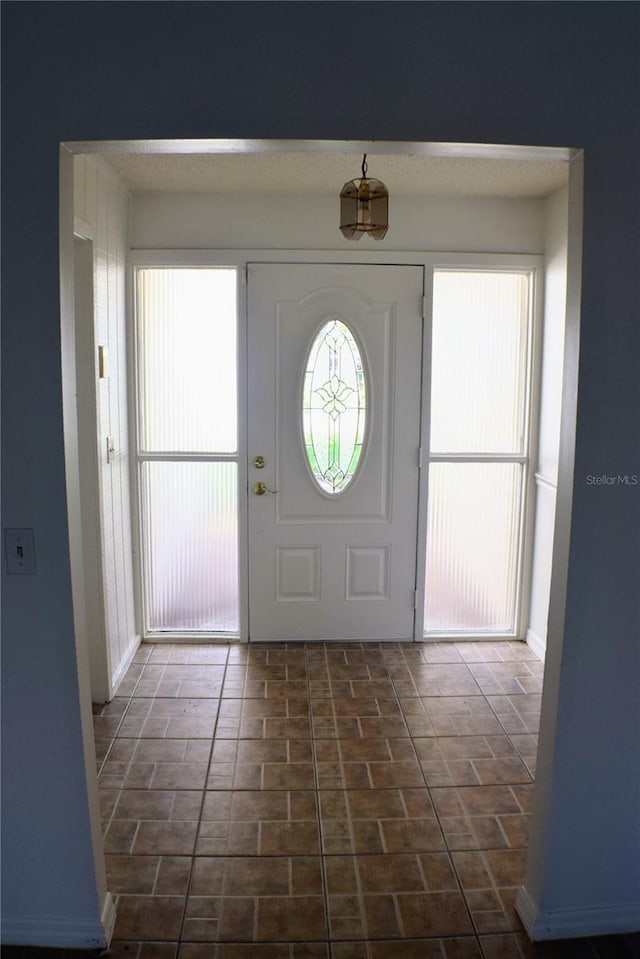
(109, 917)
(54, 932)
(576, 923)
(536, 645)
(526, 910)
(127, 659)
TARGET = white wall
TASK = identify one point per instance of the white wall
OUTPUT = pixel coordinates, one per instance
(101, 207)
(88, 580)
(282, 222)
(546, 476)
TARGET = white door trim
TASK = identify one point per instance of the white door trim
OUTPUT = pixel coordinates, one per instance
(421, 148)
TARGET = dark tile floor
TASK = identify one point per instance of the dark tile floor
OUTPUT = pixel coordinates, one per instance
(323, 801)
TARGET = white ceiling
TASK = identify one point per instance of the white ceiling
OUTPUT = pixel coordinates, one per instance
(292, 172)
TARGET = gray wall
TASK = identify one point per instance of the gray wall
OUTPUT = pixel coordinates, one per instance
(524, 73)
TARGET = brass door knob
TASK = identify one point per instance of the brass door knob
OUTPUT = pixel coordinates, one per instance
(261, 488)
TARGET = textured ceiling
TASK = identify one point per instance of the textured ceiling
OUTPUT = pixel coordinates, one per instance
(326, 172)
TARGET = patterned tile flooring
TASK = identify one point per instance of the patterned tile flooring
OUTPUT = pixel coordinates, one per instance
(320, 801)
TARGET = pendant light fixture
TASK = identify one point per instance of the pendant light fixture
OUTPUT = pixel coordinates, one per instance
(364, 207)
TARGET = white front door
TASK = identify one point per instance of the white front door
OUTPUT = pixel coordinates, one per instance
(333, 558)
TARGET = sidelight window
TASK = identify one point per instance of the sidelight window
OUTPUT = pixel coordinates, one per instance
(186, 322)
(479, 450)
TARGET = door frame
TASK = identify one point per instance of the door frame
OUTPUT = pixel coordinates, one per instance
(239, 259)
(574, 158)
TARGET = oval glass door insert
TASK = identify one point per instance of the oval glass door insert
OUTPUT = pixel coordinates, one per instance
(334, 407)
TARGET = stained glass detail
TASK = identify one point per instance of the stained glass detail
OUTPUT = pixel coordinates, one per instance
(334, 407)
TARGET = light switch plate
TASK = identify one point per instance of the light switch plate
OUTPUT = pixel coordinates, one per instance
(20, 552)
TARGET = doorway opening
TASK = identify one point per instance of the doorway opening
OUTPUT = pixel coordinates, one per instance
(564, 348)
